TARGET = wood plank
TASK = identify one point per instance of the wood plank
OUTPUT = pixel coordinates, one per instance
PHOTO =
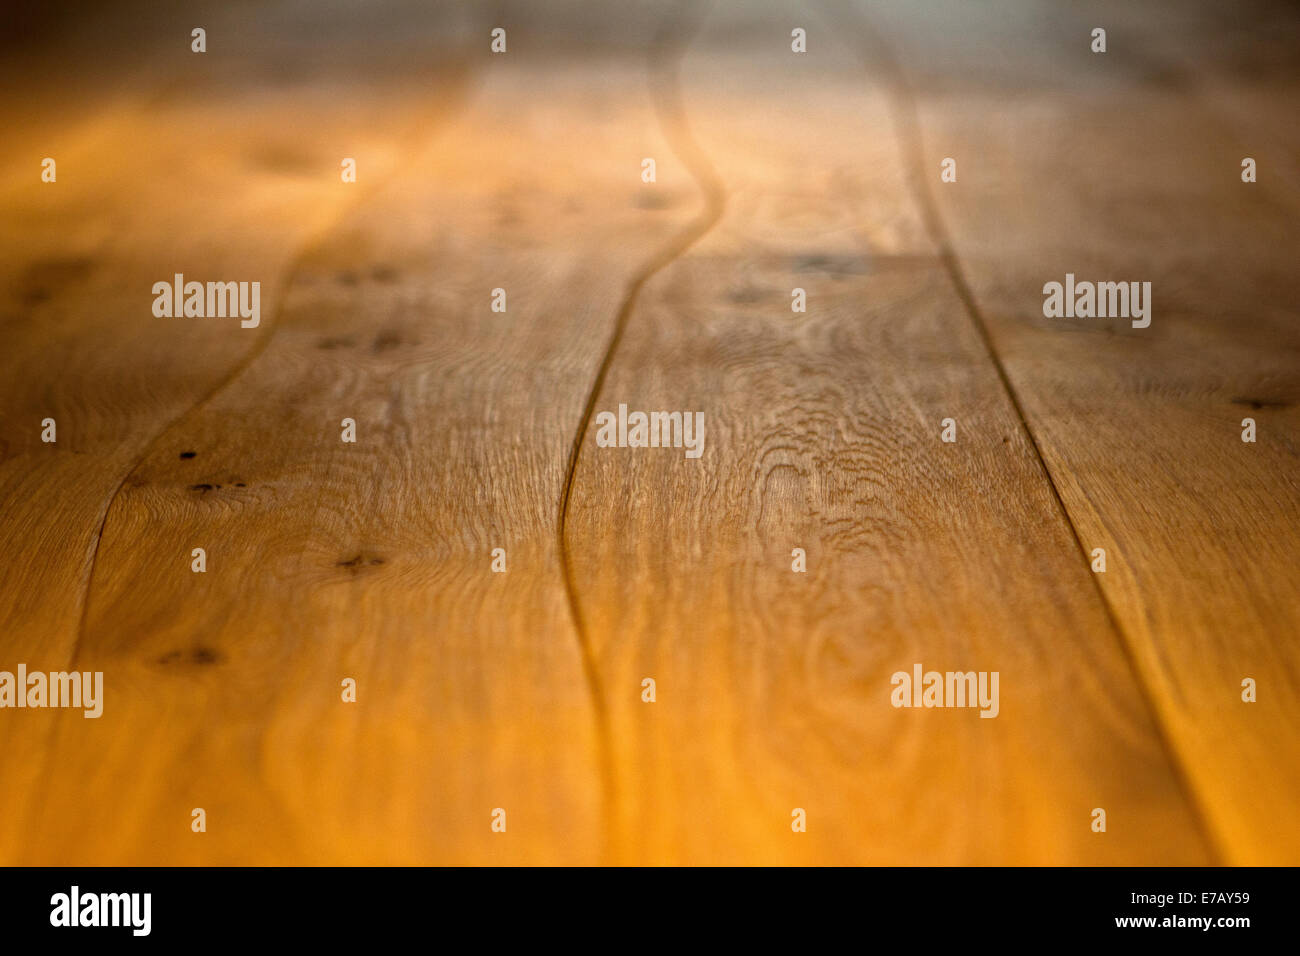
(187, 165)
(477, 690)
(823, 432)
(1127, 166)
(372, 561)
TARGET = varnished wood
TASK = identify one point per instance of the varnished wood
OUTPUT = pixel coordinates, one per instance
(476, 430)
(824, 429)
(1139, 176)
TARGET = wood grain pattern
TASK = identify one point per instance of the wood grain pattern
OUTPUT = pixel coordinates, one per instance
(476, 430)
(372, 562)
(824, 431)
(1138, 176)
(168, 171)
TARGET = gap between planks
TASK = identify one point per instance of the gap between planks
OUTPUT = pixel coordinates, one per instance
(664, 60)
(873, 47)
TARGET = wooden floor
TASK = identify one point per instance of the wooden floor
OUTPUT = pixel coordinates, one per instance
(476, 430)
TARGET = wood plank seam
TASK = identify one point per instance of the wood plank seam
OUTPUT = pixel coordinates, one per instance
(663, 62)
(458, 74)
(875, 48)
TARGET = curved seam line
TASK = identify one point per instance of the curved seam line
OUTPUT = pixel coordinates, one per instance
(907, 122)
(665, 55)
(310, 246)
